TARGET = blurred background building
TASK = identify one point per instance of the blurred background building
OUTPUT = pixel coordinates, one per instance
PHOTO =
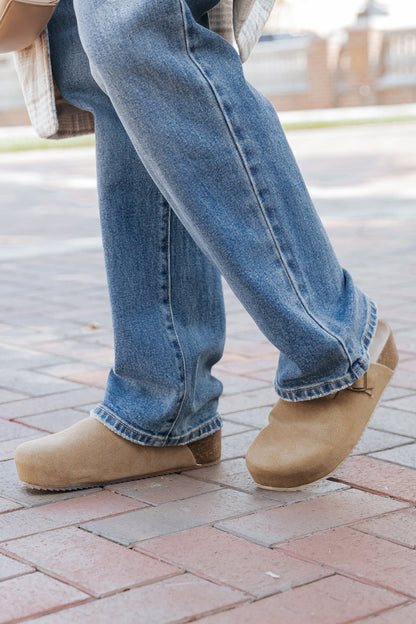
(313, 54)
(12, 111)
(333, 53)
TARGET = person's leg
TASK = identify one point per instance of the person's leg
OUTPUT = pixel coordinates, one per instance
(167, 308)
(216, 150)
(165, 294)
(217, 153)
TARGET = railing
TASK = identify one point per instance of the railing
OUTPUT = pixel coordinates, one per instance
(279, 66)
(398, 59)
(11, 95)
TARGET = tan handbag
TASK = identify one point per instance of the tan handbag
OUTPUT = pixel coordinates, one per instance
(22, 21)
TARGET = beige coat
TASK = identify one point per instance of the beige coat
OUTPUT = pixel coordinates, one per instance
(239, 21)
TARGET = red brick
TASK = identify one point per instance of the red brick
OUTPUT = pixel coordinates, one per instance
(378, 476)
(158, 490)
(69, 369)
(12, 430)
(399, 615)
(175, 516)
(409, 365)
(233, 473)
(23, 522)
(53, 421)
(271, 526)
(234, 384)
(399, 527)
(229, 560)
(180, 599)
(10, 567)
(90, 563)
(374, 440)
(267, 375)
(54, 515)
(404, 379)
(237, 445)
(247, 366)
(229, 359)
(363, 556)
(334, 600)
(231, 428)
(97, 378)
(89, 507)
(34, 383)
(8, 448)
(405, 455)
(257, 417)
(245, 347)
(77, 348)
(397, 421)
(36, 405)
(34, 594)
(8, 505)
(6, 396)
(247, 400)
(391, 392)
(223, 472)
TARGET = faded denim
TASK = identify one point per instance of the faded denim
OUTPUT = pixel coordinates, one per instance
(195, 179)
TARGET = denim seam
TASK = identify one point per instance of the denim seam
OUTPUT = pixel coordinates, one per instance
(178, 343)
(343, 382)
(246, 167)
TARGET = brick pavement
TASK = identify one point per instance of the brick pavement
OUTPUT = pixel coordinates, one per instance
(206, 545)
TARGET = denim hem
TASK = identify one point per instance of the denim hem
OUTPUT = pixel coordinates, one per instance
(118, 426)
(329, 387)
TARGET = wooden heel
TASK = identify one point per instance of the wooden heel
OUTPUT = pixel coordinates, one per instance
(208, 450)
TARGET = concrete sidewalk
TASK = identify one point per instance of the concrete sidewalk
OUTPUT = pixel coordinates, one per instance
(206, 545)
(297, 118)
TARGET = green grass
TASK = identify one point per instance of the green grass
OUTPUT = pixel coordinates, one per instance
(312, 125)
(18, 144)
(34, 143)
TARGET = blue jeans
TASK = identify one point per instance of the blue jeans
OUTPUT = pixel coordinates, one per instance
(196, 179)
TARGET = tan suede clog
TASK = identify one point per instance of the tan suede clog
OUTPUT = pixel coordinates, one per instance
(88, 454)
(305, 441)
